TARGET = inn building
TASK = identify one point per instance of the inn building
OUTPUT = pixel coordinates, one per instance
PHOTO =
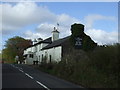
(48, 50)
(53, 49)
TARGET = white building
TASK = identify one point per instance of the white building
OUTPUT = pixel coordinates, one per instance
(48, 50)
(54, 49)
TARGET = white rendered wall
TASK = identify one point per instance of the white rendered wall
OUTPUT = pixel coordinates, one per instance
(37, 53)
(33, 49)
(29, 60)
(55, 53)
(43, 45)
(27, 50)
(55, 36)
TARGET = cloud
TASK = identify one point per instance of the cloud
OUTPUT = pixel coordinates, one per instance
(44, 31)
(31, 35)
(102, 37)
(98, 35)
(66, 20)
(62, 0)
(90, 19)
(45, 28)
(22, 14)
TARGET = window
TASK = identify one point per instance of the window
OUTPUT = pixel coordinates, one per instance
(35, 48)
(50, 58)
(39, 57)
(42, 57)
(31, 55)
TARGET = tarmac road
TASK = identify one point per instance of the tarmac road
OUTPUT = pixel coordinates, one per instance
(24, 76)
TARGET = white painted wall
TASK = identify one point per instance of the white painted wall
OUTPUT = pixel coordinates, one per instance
(43, 45)
(29, 60)
(55, 52)
(27, 50)
(55, 36)
(33, 49)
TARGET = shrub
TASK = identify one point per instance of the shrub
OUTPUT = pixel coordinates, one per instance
(92, 69)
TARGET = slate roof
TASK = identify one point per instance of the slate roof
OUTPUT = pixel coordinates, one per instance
(48, 40)
(50, 43)
(56, 43)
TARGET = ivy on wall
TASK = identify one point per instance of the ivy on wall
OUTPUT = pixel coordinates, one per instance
(87, 43)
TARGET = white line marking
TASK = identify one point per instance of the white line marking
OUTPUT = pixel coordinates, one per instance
(12, 65)
(21, 70)
(43, 85)
(29, 76)
(15, 67)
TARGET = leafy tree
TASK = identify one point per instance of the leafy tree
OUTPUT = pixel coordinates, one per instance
(15, 46)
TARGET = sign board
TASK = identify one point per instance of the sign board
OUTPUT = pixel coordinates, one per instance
(78, 43)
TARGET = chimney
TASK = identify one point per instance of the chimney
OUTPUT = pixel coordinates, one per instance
(55, 34)
(34, 41)
(39, 39)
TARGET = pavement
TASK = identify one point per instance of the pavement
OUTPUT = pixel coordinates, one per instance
(24, 76)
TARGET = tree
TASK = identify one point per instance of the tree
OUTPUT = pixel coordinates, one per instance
(15, 46)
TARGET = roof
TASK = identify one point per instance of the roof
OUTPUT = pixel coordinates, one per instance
(48, 40)
(40, 39)
(56, 43)
(52, 44)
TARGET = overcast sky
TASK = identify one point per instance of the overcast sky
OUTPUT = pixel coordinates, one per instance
(37, 19)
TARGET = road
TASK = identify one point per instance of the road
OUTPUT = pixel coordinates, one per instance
(24, 76)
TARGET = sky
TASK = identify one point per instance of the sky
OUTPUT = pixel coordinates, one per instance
(32, 20)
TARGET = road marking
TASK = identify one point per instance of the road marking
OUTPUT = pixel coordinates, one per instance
(29, 76)
(12, 65)
(43, 85)
(16, 67)
(21, 70)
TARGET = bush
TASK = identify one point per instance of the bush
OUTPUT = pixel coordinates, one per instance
(92, 69)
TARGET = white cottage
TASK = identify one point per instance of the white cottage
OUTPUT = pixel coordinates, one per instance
(48, 50)
(54, 49)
